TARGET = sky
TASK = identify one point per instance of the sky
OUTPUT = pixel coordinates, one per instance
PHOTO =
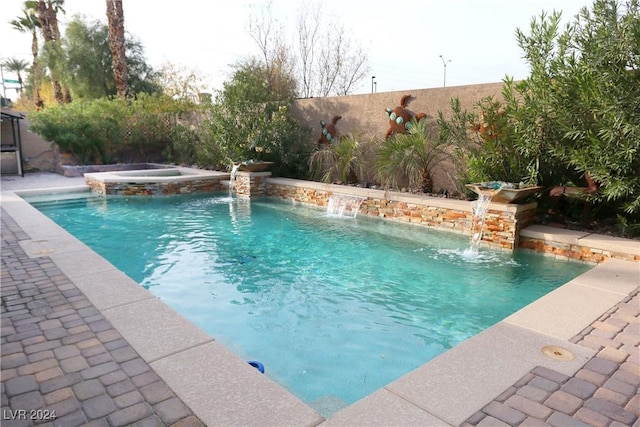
(476, 38)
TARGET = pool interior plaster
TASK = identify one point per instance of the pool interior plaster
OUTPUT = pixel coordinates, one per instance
(222, 389)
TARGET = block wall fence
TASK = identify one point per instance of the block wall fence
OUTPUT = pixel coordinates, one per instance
(363, 113)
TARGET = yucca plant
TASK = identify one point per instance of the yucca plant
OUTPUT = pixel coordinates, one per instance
(414, 155)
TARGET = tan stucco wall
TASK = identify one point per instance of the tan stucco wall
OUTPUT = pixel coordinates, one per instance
(366, 113)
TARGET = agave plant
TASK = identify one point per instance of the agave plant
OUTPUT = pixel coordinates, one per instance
(414, 155)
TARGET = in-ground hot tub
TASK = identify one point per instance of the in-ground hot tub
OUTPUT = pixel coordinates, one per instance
(150, 182)
(151, 173)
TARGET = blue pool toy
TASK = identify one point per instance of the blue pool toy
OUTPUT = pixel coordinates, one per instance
(259, 366)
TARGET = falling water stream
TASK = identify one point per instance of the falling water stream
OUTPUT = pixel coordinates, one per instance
(479, 216)
(344, 205)
(232, 177)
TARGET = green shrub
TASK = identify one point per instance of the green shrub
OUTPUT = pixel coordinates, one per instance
(576, 113)
(111, 130)
(235, 132)
(86, 129)
(579, 107)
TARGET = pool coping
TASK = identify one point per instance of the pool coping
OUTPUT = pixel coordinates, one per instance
(445, 391)
(616, 246)
(155, 175)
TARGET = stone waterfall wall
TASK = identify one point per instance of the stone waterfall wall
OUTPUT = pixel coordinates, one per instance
(502, 224)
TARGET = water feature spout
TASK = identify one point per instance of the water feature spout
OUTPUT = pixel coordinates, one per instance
(344, 205)
(232, 177)
(479, 216)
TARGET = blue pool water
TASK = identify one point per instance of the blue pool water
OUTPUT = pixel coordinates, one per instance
(334, 308)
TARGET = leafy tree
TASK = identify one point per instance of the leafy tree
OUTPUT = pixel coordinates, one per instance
(88, 60)
(142, 77)
(88, 69)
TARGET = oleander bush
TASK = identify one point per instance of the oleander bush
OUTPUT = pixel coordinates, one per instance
(250, 121)
(112, 130)
(576, 114)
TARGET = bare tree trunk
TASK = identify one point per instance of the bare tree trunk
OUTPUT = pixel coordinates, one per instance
(327, 64)
(35, 69)
(117, 45)
(49, 25)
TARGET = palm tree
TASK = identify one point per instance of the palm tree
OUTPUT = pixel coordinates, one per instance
(28, 22)
(47, 14)
(17, 66)
(345, 161)
(414, 155)
(117, 44)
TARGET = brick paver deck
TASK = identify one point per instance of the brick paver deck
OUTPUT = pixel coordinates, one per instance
(603, 393)
(62, 363)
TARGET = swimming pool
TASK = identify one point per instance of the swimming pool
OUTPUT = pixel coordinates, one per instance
(334, 308)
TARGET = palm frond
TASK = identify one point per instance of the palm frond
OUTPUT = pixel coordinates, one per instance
(414, 155)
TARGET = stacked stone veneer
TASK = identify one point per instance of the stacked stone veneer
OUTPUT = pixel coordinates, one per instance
(251, 184)
(502, 225)
(579, 245)
(196, 185)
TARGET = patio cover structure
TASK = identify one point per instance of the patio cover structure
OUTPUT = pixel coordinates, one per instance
(14, 145)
